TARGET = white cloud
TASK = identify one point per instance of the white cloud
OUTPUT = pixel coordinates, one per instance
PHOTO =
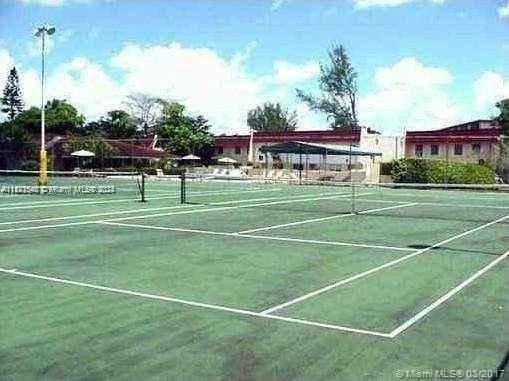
(289, 73)
(34, 46)
(201, 79)
(30, 82)
(240, 58)
(309, 120)
(276, 4)
(409, 95)
(409, 73)
(64, 35)
(215, 86)
(6, 64)
(503, 11)
(363, 4)
(434, 112)
(490, 88)
(87, 86)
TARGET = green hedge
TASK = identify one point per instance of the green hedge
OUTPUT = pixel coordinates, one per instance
(439, 171)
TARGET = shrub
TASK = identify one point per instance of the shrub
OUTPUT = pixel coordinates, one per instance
(439, 171)
(30, 165)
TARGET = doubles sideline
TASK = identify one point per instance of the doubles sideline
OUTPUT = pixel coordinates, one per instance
(467, 282)
(379, 268)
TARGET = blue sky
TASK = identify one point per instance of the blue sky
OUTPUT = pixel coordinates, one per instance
(421, 63)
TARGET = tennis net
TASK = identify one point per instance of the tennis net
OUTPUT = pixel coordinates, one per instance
(468, 202)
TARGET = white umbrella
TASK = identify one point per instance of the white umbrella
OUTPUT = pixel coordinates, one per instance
(191, 157)
(83, 153)
(226, 160)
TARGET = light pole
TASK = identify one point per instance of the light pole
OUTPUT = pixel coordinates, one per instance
(43, 162)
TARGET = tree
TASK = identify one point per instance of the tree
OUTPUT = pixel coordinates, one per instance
(338, 86)
(117, 124)
(61, 118)
(12, 103)
(29, 120)
(502, 163)
(182, 134)
(144, 109)
(15, 141)
(503, 118)
(271, 118)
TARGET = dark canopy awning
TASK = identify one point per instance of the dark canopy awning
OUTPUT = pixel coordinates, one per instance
(317, 149)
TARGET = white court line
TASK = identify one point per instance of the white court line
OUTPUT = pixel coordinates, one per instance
(260, 237)
(78, 216)
(286, 201)
(378, 268)
(194, 304)
(447, 296)
(74, 200)
(324, 219)
(68, 224)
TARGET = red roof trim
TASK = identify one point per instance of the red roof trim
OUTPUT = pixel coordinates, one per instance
(452, 139)
(273, 137)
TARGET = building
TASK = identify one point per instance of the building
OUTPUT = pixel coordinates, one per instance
(316, 166)
(237, 146)
(473, 142)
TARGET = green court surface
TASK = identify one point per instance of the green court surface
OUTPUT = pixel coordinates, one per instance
(252, 280)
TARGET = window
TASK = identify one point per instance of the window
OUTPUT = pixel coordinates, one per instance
(434, 149)
(237, 150)
(476, 148)
(458, 149)
(219, 150)
(260, 157)
(418, 150)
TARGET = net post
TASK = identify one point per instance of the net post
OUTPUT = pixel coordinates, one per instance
(183, 188)
(142, 186)
(354, 211)
(352, 183)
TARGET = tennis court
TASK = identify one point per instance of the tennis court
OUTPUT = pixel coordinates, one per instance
(251, 279)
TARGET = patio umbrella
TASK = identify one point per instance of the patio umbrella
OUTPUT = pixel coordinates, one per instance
(82, 153)
(191, 157)
(227, 160)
